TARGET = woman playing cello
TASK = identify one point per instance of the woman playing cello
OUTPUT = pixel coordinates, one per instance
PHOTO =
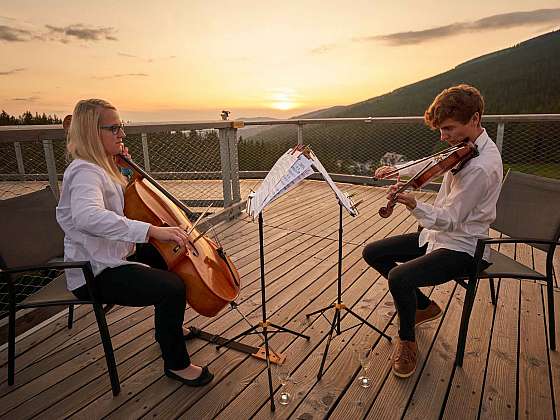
(90, 212)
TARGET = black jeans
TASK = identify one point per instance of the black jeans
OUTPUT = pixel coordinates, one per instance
(136, 285)
(417, 269)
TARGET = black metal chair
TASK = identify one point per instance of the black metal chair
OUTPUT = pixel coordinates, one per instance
(527, 212)
(31, 241)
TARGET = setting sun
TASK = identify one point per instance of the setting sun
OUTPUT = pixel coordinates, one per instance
(283, 106)
(284, 99)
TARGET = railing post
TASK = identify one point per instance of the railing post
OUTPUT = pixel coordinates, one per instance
(51, 166)
(19, 159)
(300, 133)
(500, 136)
(145, 152)
(226, 167)
(234, 165)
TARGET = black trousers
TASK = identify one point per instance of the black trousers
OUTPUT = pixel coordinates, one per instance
(136, 285)
(417, 269)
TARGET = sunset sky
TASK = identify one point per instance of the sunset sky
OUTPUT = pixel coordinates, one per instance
(189, 59)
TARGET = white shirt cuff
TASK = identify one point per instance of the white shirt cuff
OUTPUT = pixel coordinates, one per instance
(424, 214)
(138, 231)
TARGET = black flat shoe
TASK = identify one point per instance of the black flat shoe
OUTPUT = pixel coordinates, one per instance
(204, 378)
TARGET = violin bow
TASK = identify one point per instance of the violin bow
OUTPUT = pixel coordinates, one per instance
(407, 183)
(414, 162)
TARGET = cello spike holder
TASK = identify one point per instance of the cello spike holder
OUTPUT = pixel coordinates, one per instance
(269, 355)
(339, 306)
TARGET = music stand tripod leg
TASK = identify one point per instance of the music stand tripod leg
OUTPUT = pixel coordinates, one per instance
(246, 332)
(283, 329)
(318, 311)
(329, 339)
(268, 363)
(367, 323)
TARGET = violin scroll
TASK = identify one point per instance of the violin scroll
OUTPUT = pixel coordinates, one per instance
(387, 211)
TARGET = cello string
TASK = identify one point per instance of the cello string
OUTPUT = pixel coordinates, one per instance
(199, 219)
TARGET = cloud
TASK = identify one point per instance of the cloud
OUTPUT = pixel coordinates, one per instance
(501, 21)
(80, 32)
(12, 34)
(28, 99)
(23, 33)
(116, 76)
(323, 49)
(10, 72)
(147, 60)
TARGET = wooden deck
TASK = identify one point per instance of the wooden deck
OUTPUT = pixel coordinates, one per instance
(508, 371)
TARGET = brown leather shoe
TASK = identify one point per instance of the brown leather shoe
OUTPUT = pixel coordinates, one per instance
(405, 357)
(433, 311)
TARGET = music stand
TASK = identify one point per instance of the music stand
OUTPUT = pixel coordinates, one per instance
(265, 324)
(339, 305)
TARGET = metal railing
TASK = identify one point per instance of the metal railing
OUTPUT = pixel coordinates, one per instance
(203, 152)
(214, 155)
(350, 148)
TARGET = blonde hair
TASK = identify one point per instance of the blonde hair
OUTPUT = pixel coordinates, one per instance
(84, 137)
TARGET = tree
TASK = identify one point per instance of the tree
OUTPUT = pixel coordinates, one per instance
(28, 118)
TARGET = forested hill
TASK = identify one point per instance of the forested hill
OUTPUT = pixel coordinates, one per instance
(522, 79)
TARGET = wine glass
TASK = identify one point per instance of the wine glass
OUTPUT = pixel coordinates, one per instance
(283, 374)
(363, 356)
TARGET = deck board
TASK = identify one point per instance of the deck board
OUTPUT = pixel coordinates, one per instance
(61, 373)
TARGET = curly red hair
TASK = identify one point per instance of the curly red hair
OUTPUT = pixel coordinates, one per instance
(459, 103)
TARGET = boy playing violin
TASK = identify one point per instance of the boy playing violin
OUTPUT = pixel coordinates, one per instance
(464, 208)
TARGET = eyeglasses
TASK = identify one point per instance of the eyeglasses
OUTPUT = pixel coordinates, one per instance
(113, 128)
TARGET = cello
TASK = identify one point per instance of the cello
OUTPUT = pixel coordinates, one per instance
(210, 277)
(456, 157)
(211, 280)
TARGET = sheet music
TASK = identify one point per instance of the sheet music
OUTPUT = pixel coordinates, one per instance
(287, 172)
(300, 170)
(292, 167)
(342, 197)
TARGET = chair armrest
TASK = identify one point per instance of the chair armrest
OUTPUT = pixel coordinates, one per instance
(54, 265)
(481, 244)
(517, 241)
(85, 266)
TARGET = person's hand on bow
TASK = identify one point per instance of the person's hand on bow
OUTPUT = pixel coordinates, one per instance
(381, 172)
(405, 198)
(120, 161)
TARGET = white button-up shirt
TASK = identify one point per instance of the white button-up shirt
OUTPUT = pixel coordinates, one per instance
(465, 205)
(90, 212)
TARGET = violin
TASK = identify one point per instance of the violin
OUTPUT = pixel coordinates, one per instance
(453, 158)
(211, 279)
